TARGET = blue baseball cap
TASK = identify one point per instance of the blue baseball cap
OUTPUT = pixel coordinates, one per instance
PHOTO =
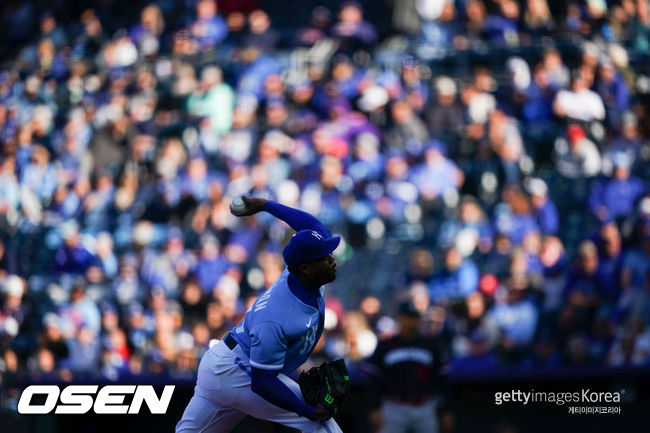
(308, 245)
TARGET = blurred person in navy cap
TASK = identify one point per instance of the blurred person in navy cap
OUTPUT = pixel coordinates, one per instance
(408, 370)
(140, 325)
(584, 290)
(126, 285)
(352, 30)
(544, 209)
(536, 111)
(470, 220)
(155, 364)
(346, 77)
(276, 114)
(261, 33)
(73, 256)
(416, 89)
(89, 43)
(613, 90)
(616, 195)
(627, 140)
(211, 264)
(317, 28)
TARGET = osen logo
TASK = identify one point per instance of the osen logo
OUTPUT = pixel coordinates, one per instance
(80, 399)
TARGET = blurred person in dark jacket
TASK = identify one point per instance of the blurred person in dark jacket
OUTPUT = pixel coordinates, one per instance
(52, 338)
(261, 33)
(407, 127)
(445, 116)
(352, 30)
(584, 290)
(408, 371)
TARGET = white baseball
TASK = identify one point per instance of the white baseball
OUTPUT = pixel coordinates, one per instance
(237, 204)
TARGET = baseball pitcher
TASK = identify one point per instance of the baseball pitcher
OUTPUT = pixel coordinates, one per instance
(247, 372)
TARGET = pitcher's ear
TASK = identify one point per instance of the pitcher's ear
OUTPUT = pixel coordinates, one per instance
(305, 269)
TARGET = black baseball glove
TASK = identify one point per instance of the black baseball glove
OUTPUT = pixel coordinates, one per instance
(328, 385)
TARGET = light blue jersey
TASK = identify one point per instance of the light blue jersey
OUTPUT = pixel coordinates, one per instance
(280, 331)
(277, 335)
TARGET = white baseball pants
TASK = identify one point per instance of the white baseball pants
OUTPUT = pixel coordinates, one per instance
(223, 396)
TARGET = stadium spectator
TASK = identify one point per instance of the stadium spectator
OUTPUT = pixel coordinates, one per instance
(209, 29)
(457, 279)
(125, 137)
(352, 31)
(472, 221)
(502, 27)
(408, 131)
(614, 196)
(580, 103)
(437, 175)
(516, 317)
(613, 90)
(627, 141)
(214, 99)
(576, 156)
(445, 114)
(545, 211)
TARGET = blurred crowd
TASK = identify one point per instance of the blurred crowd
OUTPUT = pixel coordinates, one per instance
(486, 159)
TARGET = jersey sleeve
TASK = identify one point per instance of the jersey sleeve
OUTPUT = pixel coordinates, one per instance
(268, 346)
(297, 219)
